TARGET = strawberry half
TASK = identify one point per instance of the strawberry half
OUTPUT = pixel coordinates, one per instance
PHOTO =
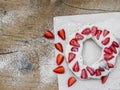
(86, 31)
(94, 30)
(105, 32)
(90, 70)
(61, 33)
(108, 57)
(74, 49)
(59, 47)
(59, 70)
(84, 74)
(108, 50)
(76, 67)
(71, 81)
(79, 36)
(71, 56)
(115, 44)
(113, 49)
(74, 42)
(106, 41)
(97, 72)
(110, 65)
(49, 35)
(104, 79)
(59, 59)
(99, 32)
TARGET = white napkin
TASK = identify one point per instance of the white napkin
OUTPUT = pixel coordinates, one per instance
(71, 24)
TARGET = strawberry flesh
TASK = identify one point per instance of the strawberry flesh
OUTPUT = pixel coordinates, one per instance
(59, 70)
(110, 65)
(108, 57)
(97, 72)
(106, 41)
(113, 49)
(71, 81)
(76, 67)
(59, 59)
(59, 47)
(115, 44)
(71, 56)
(74, 49)
(104, 79)
(105, 32)
(86, 31)
(98, 34)
(74, 42)
(79, 36)
(90, 70)
(61, 34)
(84, 74)
(108, 50)
(94, 30)
(49, 35)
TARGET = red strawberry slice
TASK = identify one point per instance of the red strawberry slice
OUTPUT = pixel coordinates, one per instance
(86, 31)
(76, 67)
(74, 49)
(59, 59)
(90, 70)
(78, 36)
(71, 56)
(61, 33)
(94, 30)
(59, 47)
(99, 32)
(108, 50)
(106, 41)
(108, 57)
(74, 42)
(113, 49)
(84, 74)
(104, 79)
(97, 72)
(101, 69)
(59, 70)
(110, 65)
(71, 81)
(49, 35)
(115, 44)
(105, 32)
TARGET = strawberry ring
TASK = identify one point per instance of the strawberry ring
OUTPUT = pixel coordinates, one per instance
(102, 67)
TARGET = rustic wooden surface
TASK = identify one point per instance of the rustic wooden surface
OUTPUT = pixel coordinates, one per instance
(24, 53)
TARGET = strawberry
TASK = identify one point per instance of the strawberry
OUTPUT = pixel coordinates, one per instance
(101, 69)
(49, 35)
(108, 50)
(59, 59)
(94, 30)
(110, 65)
(97, 72)
(115, 44)
(74, 42)
(61, 33)
(84, 74)
(104, 79)
(99, 32)
(71, 81)
(86, 31)
(76, 67)
(79, 36)
(59, 47)
(108, 57)
(71, 56)
(106, 41)
(59, 70)
(74, 49)
(105, 32)
(90, 70)
(113, 49)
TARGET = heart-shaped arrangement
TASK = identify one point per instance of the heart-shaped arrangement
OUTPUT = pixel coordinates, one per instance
(101, 68)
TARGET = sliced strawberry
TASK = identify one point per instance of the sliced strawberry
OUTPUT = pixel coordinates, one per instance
(113, 49)
(108, 57)
(108, 50)
(71, 56)
(61, 33)
(105, 32)
(90, 70)
(99, 32)
(86, 31)
(115, 44)
(106, 41)
(101, 69)
(49, 35)
(94, 30)
(97, 72)
(59, 47)
(110, 65)
(84, 74)
(104, 79)
(74, 49)
(76, 67)
(59, 70)
(59, 59)
(74, 42)
(79, 36)
(71, 81)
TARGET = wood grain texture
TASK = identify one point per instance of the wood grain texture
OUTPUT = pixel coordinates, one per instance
(22, 46)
